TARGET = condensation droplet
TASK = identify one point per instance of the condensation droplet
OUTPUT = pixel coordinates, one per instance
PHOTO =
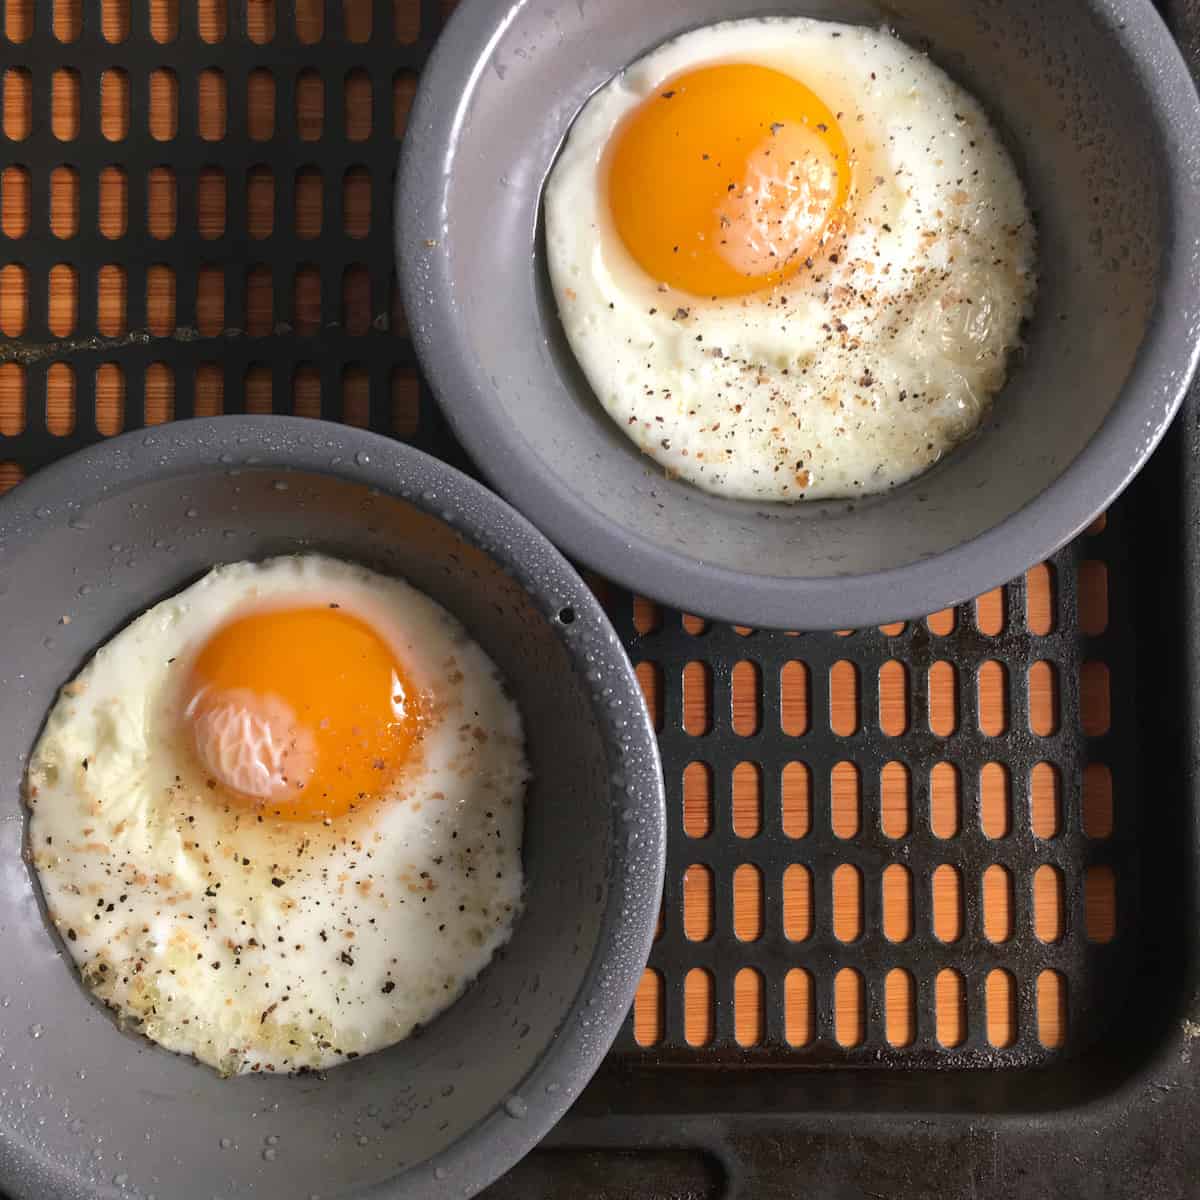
(192, 513)
(440, 1172)
(272, 1139)
(516, 1108)
(362, 1139)
(78, 523)
(270, 1154)
(280, 485)
(226, 1143)
(552, 1088)
(121, 1180)
(362, 458)
(36, 1030)
(42, 512)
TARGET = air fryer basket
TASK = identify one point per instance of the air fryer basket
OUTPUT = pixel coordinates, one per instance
(310, 324)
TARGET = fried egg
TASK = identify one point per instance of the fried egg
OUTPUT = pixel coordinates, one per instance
(792, 257)
(277, 819)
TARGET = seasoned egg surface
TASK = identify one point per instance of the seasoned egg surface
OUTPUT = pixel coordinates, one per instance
(277, 819)
(791, 256)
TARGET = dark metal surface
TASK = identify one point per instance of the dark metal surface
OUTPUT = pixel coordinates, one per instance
(1098, 976)
(332, 347)
(1112, 1112)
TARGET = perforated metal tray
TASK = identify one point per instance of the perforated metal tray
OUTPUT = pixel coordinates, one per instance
(877, 974)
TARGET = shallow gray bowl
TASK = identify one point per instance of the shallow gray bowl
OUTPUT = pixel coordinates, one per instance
(1102, 117)
(86, 1110)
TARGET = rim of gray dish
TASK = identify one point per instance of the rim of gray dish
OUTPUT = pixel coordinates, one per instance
(292, 443)
(1162, 372)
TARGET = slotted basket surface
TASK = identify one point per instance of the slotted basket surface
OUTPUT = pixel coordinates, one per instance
(909, 846)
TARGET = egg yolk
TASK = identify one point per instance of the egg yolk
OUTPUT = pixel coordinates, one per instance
(727, 179)
(303, 712)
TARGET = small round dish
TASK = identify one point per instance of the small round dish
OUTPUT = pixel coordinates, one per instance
(1102, 117)
(87, 1110)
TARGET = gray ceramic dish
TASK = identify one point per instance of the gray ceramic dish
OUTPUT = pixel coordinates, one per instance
(88, 1111)
(1102, 117)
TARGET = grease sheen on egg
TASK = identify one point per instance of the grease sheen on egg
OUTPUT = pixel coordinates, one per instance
(277, 819)
(792, 257)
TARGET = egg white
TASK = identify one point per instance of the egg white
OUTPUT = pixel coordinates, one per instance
(849, 378)
(258, 944)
